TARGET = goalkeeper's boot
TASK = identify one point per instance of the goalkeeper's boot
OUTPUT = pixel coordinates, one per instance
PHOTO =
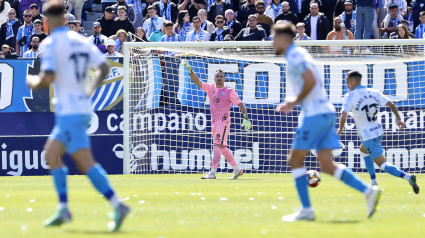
(61, 216)
(236, 174)
(120, 214)
(372, 200)
(303, 215)
(209, 176)
(412, 182)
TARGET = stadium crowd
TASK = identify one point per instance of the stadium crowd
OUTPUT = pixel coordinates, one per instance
(23, 27)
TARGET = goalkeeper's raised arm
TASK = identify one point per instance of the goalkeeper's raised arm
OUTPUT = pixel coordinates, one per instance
(221, 99)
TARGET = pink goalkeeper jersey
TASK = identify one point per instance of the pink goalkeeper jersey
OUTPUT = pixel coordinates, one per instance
(221, 100)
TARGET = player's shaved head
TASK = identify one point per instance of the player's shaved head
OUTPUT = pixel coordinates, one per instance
(54, 8)
(354, 74)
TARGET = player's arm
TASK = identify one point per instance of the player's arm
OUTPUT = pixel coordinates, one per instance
(394, 109)
(44, 79)
(246, 122)
(309, 82)
(342, 121)
(192, 74)
(100, 74)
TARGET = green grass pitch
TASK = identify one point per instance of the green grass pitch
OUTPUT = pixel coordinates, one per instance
(185, 206)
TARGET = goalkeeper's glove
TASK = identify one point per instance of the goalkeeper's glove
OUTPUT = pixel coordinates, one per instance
(246, 122)
(187, 65)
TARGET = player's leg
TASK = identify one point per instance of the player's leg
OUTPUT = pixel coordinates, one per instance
(237, 171)
(370, 166)
(54, 150)
(215, 162)
(299, 172)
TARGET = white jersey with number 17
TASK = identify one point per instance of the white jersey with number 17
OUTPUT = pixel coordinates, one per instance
(69, 55)
(364, 103)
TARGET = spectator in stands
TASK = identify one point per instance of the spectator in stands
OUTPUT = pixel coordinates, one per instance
(286, 15)
(120, 38)
(406, 24)
(153, 23)
(408, 18)
(25, 5)
(234, 25)
(192, 6)
(110, 49)
(323, 6)
(24, 34)
(301, 32)
(205, 24)
(246, 9)
(274, 8)
(229, 37)
(4, 9)
(340, 7)
(35, 42)
(167, 10)
(97, 38)
(170, 35)
(140, 35)
(316, 23)
(107, 3)
(106, 21)
(417, 7)
(38, 27)
(15, 5)
(390, 25)
(6, 53)
(339, 33)
(376, 15)
(265, 21)
(348, 17)
(402, 32)
(420, 30)
(252, 32)
(128, 8)
(157, 35)
(220, 31)
(9, 29)
(79, 29)
(122, 22)
(197, 34)
(402, 6)
(138, 12)
(219, 7)
(364, 19)
(72, 26)
(77, 6)
(183, 26)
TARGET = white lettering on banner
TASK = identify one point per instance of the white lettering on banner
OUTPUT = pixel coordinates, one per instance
(160, 121)
(113, 123)
(273, 84)
(94, 124)
(248, 158)
(336, 79)
(400, 157)
(6, 85)
(18, 160)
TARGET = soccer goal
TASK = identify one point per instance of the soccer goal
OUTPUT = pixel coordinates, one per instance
(167, 127)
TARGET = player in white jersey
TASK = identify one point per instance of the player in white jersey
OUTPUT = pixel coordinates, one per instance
(364, 103)
(317, 128)
(65, 60)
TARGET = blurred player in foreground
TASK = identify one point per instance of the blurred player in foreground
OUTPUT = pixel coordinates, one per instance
(317, 128)
(65, 62)
(364, 103)
(221, 99)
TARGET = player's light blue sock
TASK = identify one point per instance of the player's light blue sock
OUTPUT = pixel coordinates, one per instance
(98, 178)
(393, 170)
(349, 178)
(59, 178)
(301, 183)
(370, 166)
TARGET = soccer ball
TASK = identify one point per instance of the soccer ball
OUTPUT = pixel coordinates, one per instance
(313, 178)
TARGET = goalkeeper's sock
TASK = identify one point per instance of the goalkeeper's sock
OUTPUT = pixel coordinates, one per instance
(348, 177)
(229, 156)
(301, 183)
(59, 179)
(98, 178)
(216, 158)
(393, 170)
(370, 165)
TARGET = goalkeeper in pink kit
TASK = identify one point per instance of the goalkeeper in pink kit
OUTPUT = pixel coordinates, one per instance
(221, 99)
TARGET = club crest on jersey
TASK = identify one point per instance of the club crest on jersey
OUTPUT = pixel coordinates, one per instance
(222, 94)
(216, 100)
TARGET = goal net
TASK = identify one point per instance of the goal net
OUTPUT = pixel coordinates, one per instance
(167, 123)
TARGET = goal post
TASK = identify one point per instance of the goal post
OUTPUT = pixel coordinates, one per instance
(167, 124)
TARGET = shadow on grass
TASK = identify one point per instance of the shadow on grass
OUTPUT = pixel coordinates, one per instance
(94, 232)
(339, 221)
